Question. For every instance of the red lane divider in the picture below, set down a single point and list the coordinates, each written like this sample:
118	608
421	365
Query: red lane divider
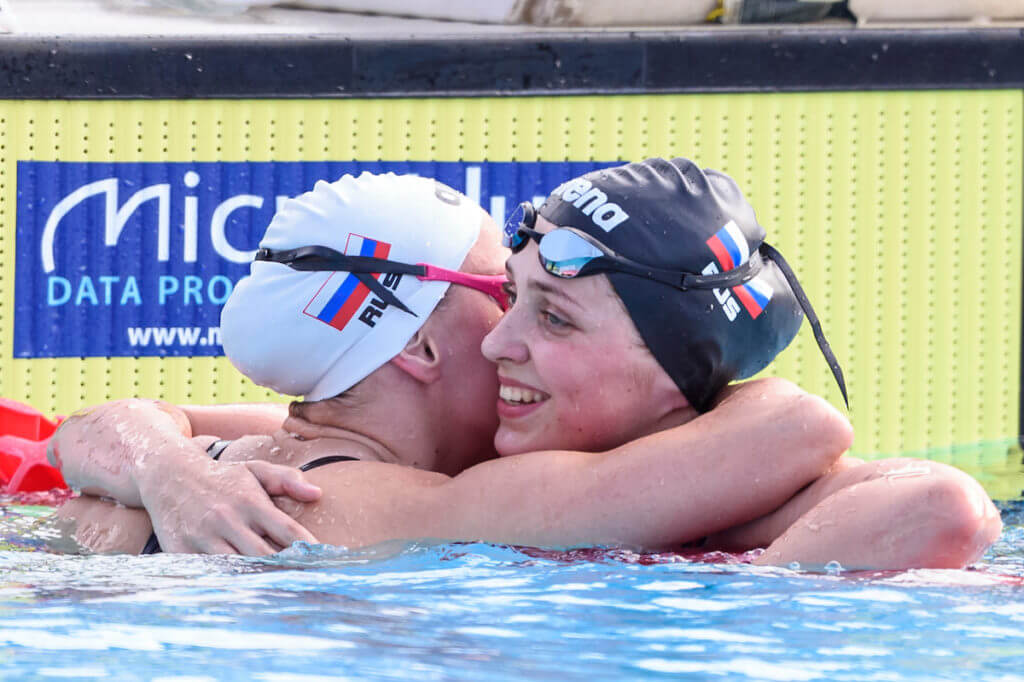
24	435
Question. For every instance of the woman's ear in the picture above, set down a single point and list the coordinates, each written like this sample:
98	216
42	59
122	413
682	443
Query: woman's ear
421	357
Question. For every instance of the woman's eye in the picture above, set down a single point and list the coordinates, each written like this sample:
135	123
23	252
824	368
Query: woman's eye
510	293
554	320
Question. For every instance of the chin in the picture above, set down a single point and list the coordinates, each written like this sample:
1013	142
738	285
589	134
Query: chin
508	443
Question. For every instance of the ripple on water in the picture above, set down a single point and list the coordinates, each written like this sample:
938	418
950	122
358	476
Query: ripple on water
468	612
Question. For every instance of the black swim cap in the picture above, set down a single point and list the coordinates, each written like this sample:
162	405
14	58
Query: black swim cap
673	215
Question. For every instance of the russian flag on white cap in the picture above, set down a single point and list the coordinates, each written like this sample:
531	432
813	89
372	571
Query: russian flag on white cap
337	301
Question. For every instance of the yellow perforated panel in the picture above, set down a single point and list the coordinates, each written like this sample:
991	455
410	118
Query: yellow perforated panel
901	212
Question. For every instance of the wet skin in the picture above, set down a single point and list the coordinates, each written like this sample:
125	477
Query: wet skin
559	387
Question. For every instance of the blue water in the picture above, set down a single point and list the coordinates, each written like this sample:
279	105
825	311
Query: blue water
477	611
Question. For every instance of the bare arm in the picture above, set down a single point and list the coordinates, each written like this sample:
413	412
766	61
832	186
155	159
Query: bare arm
743	459
105	527
140	452
234	421
892	514
203	521
102	450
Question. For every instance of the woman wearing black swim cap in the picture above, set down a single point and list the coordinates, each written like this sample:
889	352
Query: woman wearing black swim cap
639	293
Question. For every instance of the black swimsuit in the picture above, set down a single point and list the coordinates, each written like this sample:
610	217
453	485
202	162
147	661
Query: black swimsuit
215	450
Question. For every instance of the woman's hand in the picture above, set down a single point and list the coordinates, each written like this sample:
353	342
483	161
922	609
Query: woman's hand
226	508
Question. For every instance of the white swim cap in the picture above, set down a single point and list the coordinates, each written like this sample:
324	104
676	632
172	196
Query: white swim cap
316	334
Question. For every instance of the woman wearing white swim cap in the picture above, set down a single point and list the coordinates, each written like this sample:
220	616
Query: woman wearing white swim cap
627	460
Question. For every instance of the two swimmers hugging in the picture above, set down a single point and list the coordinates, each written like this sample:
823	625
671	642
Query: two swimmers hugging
565	384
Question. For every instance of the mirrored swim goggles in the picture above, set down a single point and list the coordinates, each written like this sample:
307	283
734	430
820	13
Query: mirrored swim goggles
567	252
323	258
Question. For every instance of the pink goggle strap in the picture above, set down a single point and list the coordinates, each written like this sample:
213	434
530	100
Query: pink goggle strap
492	285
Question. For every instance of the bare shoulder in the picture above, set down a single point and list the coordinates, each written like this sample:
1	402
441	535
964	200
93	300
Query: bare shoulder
285	449
368	502
351	480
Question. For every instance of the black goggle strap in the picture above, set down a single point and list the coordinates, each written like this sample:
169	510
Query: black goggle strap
723	280
323	259
674	278
612	261
382	292
530	213
523	235
805	303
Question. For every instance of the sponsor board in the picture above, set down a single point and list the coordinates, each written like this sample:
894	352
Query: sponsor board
137	259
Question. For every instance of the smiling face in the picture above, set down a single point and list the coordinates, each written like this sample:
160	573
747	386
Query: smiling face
573	371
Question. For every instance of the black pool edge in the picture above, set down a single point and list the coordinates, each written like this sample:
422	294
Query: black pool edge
705	60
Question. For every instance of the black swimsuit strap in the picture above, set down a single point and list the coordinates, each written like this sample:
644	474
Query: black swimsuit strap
322	461
152	545
215	450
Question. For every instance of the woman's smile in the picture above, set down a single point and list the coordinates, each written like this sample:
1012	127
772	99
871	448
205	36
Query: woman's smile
516	399
557	341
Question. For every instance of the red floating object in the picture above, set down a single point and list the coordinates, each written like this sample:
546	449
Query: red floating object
18	419
24	435
24	467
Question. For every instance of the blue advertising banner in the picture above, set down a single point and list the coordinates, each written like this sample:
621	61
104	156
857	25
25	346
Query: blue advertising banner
137	259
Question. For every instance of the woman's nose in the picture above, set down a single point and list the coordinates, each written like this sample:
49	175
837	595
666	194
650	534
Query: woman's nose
504	342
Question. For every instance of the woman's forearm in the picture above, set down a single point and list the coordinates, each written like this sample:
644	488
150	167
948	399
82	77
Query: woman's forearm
742	460
105	450
891	515
236	420
105	527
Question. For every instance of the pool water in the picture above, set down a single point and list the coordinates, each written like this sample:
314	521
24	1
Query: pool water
478	611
